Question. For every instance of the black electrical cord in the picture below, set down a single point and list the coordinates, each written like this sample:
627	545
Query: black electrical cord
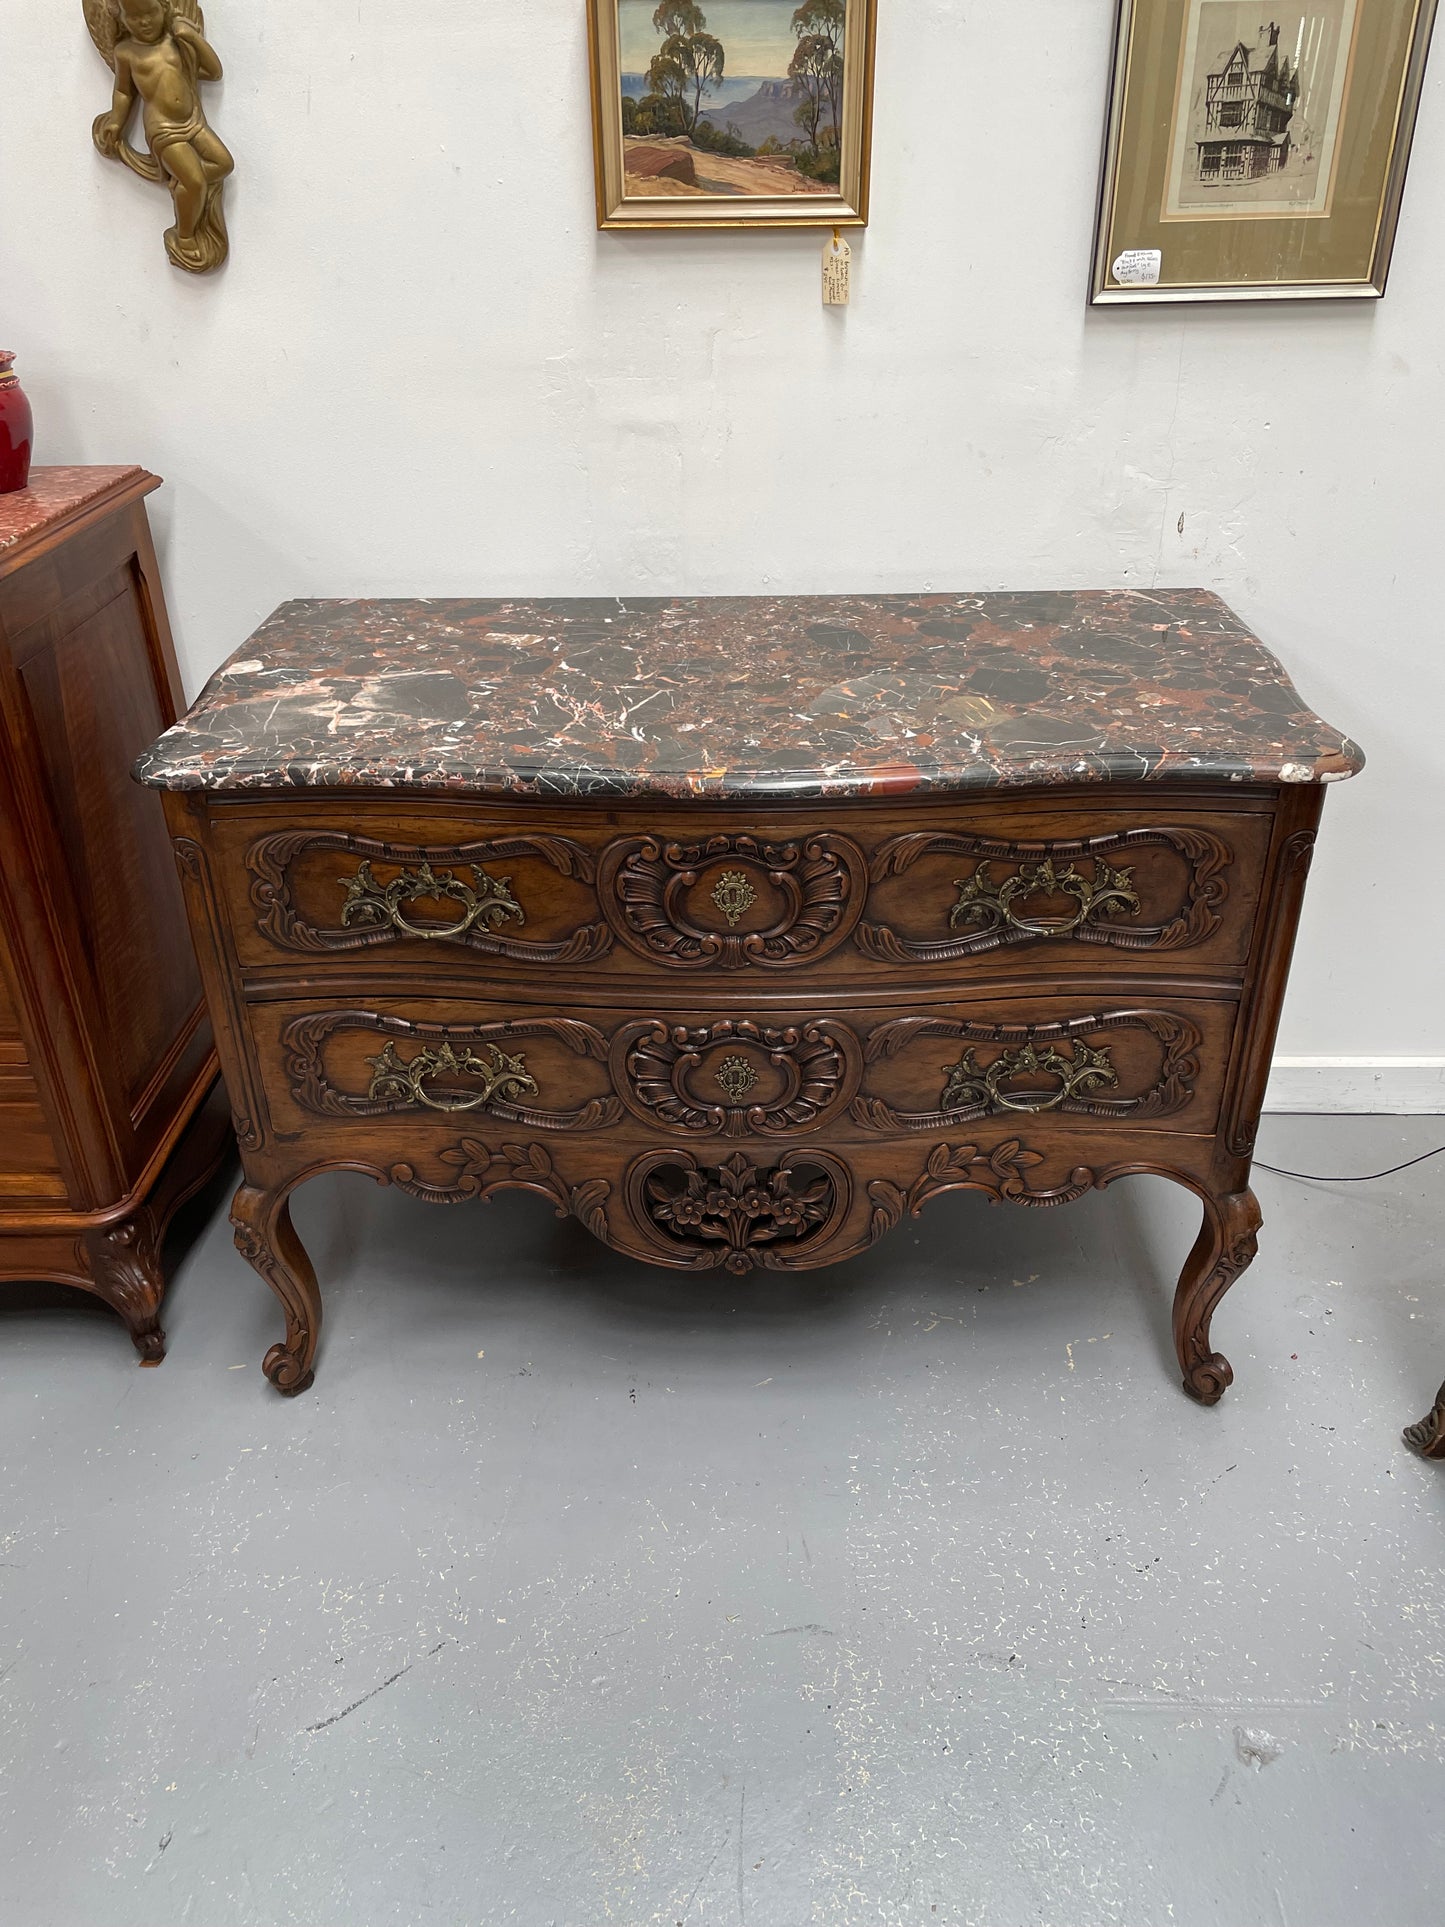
1366	1177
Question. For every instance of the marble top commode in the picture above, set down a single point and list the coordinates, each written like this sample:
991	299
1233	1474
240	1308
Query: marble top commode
751	697
741	929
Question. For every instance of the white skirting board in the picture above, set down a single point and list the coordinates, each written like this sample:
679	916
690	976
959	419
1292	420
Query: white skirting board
1398	1086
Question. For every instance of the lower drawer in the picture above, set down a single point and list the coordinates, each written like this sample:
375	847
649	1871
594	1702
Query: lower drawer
742	1073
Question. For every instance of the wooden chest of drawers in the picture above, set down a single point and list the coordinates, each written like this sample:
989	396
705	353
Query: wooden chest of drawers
993	893
105	1052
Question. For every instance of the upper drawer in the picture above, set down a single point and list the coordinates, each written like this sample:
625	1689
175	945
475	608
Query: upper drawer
886	893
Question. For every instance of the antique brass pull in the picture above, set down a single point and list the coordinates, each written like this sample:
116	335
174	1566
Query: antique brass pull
397	1080
488	900
969	1086
990	905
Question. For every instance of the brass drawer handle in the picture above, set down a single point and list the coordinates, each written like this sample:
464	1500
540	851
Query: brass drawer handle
487	901
990	905
1084	1070
398	1080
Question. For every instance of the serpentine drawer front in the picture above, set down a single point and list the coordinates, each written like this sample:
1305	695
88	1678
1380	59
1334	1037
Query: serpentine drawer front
939	890
743	929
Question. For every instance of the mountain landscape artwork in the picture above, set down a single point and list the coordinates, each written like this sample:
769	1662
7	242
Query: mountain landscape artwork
732	98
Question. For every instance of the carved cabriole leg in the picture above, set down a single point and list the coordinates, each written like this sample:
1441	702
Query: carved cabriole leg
1223	1249
1428	1437
125	1263
266	1239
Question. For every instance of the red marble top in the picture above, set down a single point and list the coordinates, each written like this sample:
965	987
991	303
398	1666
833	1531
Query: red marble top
53	494
751	696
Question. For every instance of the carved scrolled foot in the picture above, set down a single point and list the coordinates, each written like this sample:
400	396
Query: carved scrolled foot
1428	1437
126	1266
267	1240
287	1372
1208	1378
1225	1246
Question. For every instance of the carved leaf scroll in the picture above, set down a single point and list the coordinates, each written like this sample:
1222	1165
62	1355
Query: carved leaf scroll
480	1172
999	1173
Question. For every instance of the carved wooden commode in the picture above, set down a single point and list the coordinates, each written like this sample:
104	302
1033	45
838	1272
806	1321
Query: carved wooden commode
744	928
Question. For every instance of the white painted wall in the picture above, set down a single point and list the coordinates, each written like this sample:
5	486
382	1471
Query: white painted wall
424	371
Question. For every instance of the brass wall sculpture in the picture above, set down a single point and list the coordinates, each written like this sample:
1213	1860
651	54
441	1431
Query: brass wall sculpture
159	55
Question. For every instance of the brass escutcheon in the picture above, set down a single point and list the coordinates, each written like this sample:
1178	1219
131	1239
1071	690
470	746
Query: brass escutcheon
734	895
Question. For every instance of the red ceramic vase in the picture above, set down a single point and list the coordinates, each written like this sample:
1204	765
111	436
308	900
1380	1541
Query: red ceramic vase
15	427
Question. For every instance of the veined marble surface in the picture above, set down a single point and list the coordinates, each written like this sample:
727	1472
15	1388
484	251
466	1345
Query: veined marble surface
751	696
53	494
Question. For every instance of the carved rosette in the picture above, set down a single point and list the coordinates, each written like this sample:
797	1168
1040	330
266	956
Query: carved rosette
452	1067
733	1215
482	909
732	901
737	1077
1033	1068
1039	892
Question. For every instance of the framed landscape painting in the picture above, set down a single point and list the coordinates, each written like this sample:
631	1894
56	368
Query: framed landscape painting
732	113
1256	149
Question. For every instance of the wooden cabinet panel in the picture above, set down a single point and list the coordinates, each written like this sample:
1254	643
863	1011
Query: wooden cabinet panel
106	1056
93	708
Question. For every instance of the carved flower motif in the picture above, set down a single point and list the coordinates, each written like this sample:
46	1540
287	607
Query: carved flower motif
736	1206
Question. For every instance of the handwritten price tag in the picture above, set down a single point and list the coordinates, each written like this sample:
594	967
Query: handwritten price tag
1138	268
837	272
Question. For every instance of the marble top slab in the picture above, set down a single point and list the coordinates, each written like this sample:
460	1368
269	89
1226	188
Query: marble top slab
53	494
751	696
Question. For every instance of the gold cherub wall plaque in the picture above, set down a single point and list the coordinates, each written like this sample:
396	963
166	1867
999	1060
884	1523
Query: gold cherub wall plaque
159	54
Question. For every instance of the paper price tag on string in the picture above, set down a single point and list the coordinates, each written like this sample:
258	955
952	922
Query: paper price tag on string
837	263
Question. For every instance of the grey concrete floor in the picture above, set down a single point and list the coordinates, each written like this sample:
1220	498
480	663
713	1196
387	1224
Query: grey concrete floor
575	1593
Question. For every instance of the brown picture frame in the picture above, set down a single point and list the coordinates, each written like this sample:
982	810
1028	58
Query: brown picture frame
1205	196
680	204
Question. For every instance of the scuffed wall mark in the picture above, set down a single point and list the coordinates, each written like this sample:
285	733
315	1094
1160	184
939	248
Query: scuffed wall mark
1255	1747
166	1839
812	1626
321	1725
1218	1793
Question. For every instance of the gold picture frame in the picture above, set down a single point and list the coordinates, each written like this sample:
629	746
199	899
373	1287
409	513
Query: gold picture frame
1256	159
689	141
